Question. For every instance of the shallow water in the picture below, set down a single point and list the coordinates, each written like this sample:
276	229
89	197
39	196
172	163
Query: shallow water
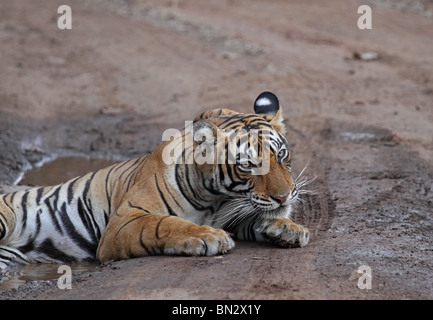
51	173
16	276
62	169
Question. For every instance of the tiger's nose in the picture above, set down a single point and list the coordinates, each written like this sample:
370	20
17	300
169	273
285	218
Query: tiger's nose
281	199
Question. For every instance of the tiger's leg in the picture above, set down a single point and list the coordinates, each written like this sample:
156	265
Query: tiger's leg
7	221
283	232
8	255
134	232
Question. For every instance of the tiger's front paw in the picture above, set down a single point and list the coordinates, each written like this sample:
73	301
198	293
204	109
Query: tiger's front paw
202	241
285	233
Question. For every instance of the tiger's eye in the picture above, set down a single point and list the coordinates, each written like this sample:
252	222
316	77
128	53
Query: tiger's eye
246	165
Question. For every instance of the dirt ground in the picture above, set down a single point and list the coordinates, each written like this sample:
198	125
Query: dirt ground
128	70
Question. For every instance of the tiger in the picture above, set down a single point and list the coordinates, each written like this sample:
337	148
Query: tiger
148	206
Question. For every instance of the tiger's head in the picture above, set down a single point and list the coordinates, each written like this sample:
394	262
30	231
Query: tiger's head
251	169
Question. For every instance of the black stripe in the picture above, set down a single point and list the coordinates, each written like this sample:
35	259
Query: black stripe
188	180
221	172
96	228
85	219
106	189
30	245
52	211
206	248
128	168
71	190
128	222
87	202
240	121
251	230
143	245
211	188
106	217
55	196
203	181
47	247
121	164
87	187
24	208
171	194
128	177
259	125
39	193
137	207
3	226
3	221
234	184
238	175
161	194
246	232
144	160
38	222
15	253
180	180
11	201
75	236
135	176
157	228
229	171
13	197
234	117
240	181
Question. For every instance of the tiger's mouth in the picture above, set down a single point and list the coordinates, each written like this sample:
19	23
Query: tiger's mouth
275	202
266	206
249	207
272	208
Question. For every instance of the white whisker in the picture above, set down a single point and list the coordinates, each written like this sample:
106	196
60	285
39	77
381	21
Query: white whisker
302	172
234	211
310	192
301	182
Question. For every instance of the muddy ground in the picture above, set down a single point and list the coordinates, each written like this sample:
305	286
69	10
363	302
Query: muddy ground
130	69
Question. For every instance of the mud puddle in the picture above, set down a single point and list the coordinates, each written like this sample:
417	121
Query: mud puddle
51	173
15	277
62	169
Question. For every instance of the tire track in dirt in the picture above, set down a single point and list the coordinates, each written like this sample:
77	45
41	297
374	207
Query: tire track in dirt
316	210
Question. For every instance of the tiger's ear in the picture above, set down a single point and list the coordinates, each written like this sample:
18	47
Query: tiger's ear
268	106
